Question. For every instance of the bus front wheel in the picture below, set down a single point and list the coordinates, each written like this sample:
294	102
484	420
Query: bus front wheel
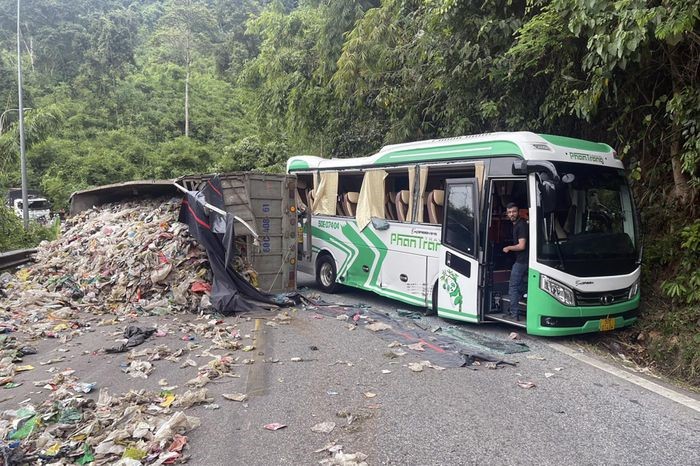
326	274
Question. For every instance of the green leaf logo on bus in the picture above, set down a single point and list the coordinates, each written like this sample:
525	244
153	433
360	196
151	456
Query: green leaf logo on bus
449	283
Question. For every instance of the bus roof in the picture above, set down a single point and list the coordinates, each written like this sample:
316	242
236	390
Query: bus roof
525	145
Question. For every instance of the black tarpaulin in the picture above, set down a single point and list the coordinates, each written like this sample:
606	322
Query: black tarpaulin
230	291
223	226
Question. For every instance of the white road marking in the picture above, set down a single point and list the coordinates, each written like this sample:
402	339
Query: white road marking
635	379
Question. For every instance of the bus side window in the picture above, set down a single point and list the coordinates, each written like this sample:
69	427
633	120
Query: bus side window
459	227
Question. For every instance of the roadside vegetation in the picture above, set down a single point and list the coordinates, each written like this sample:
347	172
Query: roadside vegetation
118	90
13	236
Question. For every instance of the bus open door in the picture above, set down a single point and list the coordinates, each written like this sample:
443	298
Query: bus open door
457	290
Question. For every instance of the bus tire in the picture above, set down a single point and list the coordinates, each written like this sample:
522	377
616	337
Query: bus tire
326	274
432	310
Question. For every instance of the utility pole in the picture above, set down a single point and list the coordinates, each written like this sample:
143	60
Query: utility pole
20	108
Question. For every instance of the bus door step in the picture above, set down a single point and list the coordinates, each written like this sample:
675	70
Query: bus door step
521	303
502	317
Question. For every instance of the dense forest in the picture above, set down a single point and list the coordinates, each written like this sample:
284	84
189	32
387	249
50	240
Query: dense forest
131	89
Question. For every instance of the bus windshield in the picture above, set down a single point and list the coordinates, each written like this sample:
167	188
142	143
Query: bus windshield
593	229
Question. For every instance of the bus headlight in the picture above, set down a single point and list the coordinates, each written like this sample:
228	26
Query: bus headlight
634	289
562	293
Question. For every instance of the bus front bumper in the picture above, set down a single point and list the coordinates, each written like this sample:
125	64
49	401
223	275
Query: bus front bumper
551	318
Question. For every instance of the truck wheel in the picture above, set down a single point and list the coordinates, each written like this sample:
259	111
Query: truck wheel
432	310
326	274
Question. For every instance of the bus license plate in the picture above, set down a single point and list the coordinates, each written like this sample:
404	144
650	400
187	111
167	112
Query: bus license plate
607	324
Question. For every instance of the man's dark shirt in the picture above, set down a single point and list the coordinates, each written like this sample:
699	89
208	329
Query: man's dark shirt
520	228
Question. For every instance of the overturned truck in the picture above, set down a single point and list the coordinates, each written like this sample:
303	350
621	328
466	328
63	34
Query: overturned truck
265	232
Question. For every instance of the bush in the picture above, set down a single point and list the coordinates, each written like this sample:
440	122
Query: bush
13	236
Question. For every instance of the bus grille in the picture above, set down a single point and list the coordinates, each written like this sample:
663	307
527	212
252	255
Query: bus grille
602	298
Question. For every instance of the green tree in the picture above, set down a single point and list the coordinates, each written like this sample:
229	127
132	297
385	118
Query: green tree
38	125
186	29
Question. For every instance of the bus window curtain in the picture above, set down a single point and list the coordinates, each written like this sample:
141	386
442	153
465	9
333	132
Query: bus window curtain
479	174
325	193
371	201
422	174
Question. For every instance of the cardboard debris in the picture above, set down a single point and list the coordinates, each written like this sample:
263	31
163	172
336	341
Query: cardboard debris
525	384
378	326
274	426
235	396
323	427
418	366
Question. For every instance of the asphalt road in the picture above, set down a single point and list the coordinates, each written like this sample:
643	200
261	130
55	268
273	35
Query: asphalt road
576	414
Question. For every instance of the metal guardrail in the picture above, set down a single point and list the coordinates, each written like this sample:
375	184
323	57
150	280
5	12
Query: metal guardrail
14	258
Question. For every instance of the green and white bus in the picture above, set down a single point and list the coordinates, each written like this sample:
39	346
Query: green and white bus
424	223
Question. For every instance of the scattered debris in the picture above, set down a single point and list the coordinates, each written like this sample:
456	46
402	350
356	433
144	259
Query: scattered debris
523	384
139	369
535	357
324	427
330	447
191	398
274	426
409	314
135	336
419	366
235	396
417	346
345	459
377	326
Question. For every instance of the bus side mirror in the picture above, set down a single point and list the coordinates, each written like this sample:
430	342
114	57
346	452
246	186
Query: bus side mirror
519	167
380	223
524	167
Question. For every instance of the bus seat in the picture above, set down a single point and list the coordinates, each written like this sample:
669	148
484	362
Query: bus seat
389	206
350	203
402	205
524	213
436	203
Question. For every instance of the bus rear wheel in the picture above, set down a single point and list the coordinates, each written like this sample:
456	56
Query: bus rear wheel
326	274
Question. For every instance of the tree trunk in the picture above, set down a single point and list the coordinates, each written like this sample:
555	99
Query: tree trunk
187	102
681	190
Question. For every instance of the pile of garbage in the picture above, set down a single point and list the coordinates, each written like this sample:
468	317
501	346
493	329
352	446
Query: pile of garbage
69	428
126	258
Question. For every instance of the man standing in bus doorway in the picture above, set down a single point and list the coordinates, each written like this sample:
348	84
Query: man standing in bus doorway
517	286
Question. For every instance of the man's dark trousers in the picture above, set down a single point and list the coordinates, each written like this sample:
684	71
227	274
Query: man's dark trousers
517	286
